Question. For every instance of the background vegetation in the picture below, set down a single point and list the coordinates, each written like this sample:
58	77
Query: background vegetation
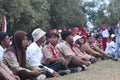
48	14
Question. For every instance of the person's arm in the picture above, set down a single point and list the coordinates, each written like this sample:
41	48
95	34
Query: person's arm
9	72
90	51
6	75
54	73
6	68
10	59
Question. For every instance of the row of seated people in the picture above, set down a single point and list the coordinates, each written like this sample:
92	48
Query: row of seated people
36	62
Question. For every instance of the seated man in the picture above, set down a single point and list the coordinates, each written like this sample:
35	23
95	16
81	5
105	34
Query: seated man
89	47
65	49
6	73
78	42
52	57
99	46
35	54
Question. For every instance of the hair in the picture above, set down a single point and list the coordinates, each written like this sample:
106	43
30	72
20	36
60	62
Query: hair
98	35
89	36
16	47
53	34
2	36
65	34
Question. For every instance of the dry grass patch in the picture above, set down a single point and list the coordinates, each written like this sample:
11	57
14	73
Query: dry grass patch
104	70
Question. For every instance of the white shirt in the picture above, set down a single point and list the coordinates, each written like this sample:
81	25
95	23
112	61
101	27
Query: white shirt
105	33
2	50
34	53
111	48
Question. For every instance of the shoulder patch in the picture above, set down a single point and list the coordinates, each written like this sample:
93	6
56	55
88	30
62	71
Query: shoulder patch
12	55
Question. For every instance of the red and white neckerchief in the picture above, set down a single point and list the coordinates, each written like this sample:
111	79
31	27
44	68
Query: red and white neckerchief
99	45
80	48
92	46
53	51
72	49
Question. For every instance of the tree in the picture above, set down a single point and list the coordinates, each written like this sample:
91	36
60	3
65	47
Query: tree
100	11
24	14
66	13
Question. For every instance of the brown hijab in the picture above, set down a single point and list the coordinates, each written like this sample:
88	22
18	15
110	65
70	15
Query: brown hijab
16	47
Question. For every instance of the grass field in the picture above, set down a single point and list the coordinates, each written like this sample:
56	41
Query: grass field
103	70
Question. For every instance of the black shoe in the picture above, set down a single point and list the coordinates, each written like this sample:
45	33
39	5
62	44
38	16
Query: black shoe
63	72
76	69
84	67
92	61
115	59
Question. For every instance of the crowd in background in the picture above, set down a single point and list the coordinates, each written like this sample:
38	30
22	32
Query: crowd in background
55	53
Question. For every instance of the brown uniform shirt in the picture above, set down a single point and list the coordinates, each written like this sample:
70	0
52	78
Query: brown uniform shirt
10	59
48	53
65	49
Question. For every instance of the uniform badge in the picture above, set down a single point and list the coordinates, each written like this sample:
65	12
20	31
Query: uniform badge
12	55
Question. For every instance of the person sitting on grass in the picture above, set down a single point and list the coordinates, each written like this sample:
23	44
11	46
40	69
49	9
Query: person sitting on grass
65	49
99	46
110	49
53	59
78	44
89	47
35	53
15	56
5	72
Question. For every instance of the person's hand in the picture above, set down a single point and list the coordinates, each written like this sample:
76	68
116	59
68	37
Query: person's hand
64	61
87	64
55	74
93	58
35	73
98	54
16	77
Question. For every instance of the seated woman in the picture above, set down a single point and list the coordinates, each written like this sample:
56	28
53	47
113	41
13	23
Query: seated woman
15	56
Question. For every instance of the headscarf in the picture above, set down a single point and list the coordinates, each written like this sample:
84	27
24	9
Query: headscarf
104	27
63	28
16	47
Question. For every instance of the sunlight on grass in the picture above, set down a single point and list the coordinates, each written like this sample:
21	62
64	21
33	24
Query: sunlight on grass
104	70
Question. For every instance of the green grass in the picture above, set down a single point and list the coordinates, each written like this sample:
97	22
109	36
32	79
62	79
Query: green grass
103	70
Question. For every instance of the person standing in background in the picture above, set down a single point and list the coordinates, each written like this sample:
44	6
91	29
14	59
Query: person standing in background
105	35
117	32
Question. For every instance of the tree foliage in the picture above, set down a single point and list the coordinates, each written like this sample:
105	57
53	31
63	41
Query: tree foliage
66	13
46	14
99	12
24	14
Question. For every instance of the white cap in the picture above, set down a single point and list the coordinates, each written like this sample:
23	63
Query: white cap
59	30
37	34
75	38
112	36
